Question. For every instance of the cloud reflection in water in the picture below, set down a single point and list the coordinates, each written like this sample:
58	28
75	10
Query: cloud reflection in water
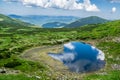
80	57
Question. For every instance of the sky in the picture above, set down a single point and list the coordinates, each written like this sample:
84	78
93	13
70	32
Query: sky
109	9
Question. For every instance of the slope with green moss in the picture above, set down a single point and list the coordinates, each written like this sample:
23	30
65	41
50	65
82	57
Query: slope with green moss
86	21
13	42
6	21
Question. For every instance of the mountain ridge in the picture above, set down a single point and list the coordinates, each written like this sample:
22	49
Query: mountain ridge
54	25
15	40
43	19
7	21
86	21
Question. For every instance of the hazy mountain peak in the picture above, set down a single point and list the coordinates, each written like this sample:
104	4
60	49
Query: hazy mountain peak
87	20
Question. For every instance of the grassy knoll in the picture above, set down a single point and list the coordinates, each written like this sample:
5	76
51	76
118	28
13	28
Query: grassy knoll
14	40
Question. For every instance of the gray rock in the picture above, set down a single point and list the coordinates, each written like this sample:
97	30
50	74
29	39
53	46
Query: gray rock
2	71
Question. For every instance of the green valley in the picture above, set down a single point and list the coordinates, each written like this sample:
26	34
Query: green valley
16	37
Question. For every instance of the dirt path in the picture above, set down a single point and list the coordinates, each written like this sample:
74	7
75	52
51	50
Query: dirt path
57	69
40	54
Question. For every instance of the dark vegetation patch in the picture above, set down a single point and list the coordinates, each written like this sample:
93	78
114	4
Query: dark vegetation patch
16	38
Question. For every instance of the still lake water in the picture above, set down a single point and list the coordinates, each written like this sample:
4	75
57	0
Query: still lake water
80	57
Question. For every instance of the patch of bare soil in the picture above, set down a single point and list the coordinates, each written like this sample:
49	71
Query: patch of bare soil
56	68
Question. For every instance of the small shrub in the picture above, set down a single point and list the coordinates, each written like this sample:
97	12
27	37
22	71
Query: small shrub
12	64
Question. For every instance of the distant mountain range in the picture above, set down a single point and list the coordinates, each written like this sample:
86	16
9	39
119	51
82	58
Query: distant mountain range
86	21
42	19
54	25
6	21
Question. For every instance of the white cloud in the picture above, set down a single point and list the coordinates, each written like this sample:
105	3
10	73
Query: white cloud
69	46
62	4
63	57
83	58
100	55
116	1
12	0
113	9
90	7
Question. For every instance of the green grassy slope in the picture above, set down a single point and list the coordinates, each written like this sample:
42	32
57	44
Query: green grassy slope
6	21
14	41
85	21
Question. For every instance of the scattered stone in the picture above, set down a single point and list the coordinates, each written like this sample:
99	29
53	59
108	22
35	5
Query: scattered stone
8	71
118	58
117	39
38	77
116	66
103	73
110	56
3	71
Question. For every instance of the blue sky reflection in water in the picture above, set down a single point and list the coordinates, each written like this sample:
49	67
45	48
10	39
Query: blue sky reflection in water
80	57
